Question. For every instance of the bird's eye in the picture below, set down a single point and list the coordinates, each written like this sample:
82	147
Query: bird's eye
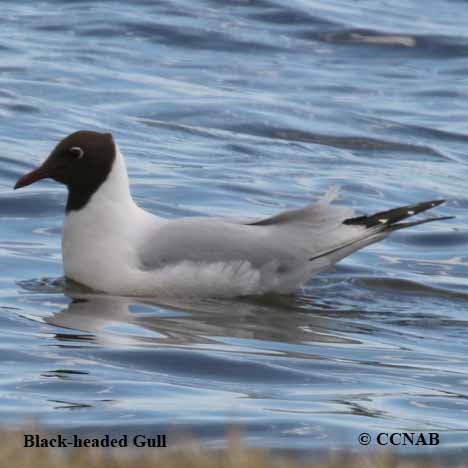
76	152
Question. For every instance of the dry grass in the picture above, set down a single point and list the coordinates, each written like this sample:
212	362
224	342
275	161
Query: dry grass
188	455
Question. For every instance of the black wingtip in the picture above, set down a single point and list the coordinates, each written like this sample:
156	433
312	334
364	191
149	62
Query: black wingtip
390	218
438	202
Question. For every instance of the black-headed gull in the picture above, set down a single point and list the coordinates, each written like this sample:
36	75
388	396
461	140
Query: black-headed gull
112	245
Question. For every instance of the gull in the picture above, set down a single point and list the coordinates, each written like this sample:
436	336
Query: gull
112	245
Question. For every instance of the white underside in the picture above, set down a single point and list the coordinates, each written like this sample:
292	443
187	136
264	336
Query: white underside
105	246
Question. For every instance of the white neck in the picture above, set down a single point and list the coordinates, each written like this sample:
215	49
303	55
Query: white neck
116	187
102	238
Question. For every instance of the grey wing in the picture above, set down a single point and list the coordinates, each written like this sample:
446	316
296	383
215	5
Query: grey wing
288	239
318	234
316	228
210	241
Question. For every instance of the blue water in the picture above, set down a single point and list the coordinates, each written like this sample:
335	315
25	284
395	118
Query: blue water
242	108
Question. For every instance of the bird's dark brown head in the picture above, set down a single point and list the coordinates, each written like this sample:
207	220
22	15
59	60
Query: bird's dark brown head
81	161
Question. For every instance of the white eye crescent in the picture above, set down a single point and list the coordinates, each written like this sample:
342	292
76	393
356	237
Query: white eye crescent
76	152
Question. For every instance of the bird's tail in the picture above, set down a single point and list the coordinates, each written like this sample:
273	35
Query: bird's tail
379	225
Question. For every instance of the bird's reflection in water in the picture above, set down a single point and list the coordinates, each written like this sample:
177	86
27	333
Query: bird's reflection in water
224	324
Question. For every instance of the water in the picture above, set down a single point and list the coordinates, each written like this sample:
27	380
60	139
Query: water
242	108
